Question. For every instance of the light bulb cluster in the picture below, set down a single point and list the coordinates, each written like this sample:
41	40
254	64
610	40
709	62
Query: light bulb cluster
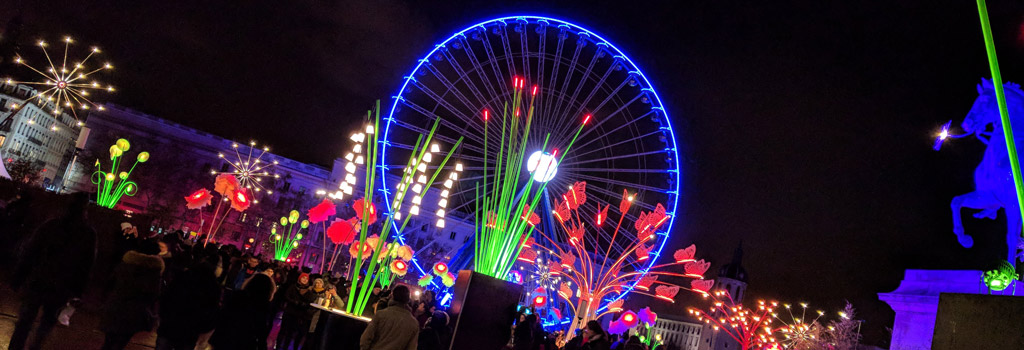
352	160
442	204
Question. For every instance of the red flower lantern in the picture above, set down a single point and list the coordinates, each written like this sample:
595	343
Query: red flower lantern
225	184
629	319
321	211
199	199
341	232
399	267
440	268
241	199
370	210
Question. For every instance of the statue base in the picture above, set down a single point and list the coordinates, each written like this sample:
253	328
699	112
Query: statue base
916	302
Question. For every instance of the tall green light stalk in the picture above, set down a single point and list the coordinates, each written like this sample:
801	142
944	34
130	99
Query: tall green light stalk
284	244
500	218
112	185
997	82
362	285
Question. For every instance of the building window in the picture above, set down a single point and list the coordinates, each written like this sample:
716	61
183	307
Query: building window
452	236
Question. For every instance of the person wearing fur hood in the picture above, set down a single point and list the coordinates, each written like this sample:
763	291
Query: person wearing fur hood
130	307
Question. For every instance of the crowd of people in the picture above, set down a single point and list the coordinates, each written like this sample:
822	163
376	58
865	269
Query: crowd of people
192	295
202	296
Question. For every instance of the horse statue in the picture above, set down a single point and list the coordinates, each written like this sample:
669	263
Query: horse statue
993	179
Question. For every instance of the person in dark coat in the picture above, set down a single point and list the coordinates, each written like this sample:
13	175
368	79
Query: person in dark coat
54	268
189	306
243	320
523	337
297	313
435	334
130	308
596	338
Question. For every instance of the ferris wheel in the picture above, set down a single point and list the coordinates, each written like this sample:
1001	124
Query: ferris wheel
628	145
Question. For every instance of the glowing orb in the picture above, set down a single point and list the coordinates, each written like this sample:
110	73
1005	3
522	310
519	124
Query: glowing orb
542	165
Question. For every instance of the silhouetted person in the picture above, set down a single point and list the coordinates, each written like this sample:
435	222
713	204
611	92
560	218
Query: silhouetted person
393	327
189	306
243	321
130	307
53	269
595	337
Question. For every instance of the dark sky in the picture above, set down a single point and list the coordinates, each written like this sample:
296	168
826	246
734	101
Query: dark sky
806	127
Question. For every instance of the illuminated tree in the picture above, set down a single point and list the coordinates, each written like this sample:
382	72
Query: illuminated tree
844	333
750	327
596	287
24	171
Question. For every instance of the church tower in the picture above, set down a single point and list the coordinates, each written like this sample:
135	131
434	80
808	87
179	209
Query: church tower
733	277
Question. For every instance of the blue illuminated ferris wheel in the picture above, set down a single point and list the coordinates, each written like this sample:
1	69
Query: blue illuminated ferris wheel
628	145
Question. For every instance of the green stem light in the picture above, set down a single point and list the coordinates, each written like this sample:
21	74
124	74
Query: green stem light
997	82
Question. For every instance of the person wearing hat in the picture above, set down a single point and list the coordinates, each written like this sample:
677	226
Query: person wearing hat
297	313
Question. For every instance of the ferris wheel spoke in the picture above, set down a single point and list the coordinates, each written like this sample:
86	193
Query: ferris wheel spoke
588	151
611	170
464	76
632	122
507	49
616	157
524	45
461	127
558	109
480	71
450	87
595	111
556	63
492	60
597	87
431	116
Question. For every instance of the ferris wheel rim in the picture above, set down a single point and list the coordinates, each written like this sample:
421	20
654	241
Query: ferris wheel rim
657	104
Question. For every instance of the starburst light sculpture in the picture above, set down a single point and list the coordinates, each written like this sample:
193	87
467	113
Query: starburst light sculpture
249	167
65	84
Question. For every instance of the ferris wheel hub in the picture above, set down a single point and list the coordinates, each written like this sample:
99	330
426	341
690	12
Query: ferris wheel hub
542	165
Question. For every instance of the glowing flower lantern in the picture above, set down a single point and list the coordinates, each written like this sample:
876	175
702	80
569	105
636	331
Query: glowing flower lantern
647	316
321	212
241	200
370	211
356	247
113	185
289	240
440	269
341	231
425	280
399	267
199	199
540	301
225	184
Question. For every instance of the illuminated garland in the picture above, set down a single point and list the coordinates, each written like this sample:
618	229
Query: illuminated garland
499	229
112	185
595	288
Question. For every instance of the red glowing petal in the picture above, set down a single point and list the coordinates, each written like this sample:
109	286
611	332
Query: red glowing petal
561	212
687	254
440	268
341	231
527	255
577	195
642	253
360	205
225	184
603	215
696	268
625	203
199	199
322	211
241	200
568	260
586	119
629	319
565	292
667	292
645	282
702	286
615	306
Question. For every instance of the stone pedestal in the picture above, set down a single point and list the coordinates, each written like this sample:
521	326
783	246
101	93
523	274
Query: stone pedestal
916	302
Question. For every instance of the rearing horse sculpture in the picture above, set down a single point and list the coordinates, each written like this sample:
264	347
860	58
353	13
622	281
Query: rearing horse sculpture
993	179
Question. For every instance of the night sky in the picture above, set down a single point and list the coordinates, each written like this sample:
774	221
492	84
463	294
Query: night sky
806	128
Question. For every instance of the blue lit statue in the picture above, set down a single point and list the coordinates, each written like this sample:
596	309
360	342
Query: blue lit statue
993	179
